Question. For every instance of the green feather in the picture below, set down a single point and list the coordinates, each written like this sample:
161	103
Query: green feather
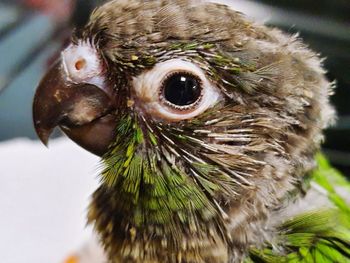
160	192
314	237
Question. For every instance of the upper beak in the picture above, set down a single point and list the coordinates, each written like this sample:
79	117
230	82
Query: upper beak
83	111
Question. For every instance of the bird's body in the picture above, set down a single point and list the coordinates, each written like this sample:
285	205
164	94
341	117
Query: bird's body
221	172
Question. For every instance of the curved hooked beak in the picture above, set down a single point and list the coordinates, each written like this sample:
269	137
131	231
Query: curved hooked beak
82	111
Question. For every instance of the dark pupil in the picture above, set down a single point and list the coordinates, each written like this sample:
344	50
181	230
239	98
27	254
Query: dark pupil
182	89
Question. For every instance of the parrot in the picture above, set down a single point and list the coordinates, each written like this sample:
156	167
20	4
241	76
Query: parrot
209	127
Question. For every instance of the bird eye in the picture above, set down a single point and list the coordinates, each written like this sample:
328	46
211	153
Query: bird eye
181	90
175	90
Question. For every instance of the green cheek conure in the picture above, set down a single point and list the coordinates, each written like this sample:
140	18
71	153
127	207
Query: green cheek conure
208	126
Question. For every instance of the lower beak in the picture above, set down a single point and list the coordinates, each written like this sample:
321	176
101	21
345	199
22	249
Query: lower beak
82	111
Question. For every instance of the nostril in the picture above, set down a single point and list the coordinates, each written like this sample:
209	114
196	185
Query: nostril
80	64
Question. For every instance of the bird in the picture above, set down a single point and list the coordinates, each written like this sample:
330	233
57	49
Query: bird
209	127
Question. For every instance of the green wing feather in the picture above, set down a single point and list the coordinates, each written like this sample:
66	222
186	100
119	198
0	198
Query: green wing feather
318	236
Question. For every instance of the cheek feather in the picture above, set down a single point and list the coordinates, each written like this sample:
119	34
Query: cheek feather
83	64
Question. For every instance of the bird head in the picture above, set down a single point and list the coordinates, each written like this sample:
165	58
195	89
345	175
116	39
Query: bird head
205	122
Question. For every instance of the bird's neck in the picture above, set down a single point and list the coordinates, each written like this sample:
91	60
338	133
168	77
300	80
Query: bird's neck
146	203
155	229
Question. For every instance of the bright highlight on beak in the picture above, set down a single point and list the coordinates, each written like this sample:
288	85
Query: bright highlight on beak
78	103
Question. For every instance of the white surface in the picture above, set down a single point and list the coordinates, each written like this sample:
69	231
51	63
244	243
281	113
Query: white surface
43	199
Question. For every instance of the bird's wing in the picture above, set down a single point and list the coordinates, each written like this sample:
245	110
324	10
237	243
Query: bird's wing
313	233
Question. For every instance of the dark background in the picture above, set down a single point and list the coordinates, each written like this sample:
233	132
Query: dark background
31	32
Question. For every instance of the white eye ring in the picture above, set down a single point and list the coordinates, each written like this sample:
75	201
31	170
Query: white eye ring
148	90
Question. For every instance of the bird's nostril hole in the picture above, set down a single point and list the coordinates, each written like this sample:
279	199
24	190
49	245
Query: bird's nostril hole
80	64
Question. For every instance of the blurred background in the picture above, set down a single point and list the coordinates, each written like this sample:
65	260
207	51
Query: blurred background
31	34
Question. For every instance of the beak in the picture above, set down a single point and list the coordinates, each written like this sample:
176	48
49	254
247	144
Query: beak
82	111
